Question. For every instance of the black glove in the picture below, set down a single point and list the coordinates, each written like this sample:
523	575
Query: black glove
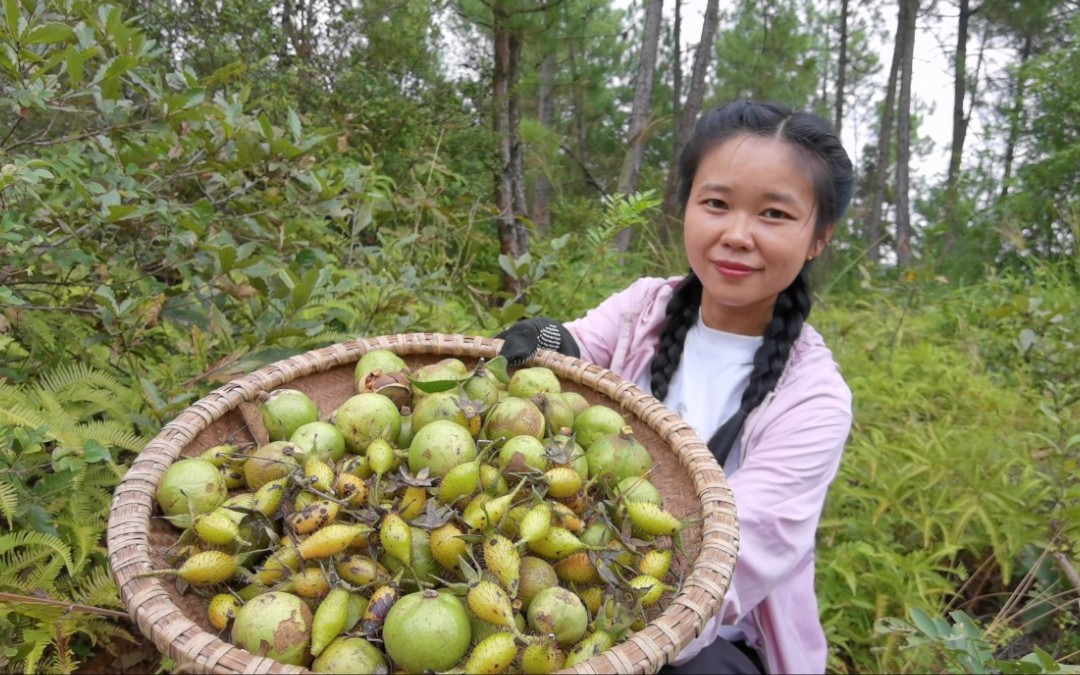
524	338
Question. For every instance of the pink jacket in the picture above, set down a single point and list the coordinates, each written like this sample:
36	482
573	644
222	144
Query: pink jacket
791	444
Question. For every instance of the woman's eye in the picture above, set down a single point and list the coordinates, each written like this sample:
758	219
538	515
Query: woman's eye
715	204
775	214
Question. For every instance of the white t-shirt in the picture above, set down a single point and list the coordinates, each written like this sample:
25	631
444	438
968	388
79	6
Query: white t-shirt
720	364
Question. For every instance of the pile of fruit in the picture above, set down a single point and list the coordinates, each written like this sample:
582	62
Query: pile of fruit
440	520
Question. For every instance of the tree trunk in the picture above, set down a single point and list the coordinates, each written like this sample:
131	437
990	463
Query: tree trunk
579	107
841	71
684	123
639	114
676	75
959	125
1015	118
546	115
875	233
909	10
513	238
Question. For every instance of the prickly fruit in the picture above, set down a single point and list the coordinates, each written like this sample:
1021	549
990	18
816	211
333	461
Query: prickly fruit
222	609
493	655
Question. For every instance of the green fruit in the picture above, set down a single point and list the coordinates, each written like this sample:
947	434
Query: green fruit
350	655
439	406
596	422
514	417
282	621
426	631
364	417
190	487
618	456
559	612
638	490
269	463
521	452
320	439
528	382
439	447
378	359
284	411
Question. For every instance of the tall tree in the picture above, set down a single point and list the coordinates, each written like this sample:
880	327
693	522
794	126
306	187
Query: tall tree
875	232
841	71
640	112
689	112
546	117
960	120
909	10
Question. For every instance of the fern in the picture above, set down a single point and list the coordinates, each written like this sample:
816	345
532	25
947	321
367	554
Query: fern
28	539
9	500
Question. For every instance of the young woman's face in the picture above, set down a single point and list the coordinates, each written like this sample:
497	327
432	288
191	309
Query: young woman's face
748	229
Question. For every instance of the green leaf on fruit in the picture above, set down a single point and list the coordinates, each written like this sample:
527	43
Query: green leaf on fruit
434	386
498	366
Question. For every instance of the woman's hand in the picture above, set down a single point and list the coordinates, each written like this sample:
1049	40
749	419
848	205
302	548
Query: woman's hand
522	340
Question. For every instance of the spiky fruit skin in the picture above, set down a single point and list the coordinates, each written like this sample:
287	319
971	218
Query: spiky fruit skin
591	646
364	417
559	612
542	657
190	487
280	620
446	546
426	631
439	447
284	411
347	654
208	568
222	609
493	655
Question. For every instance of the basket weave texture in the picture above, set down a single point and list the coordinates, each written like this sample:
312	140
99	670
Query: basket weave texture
691	482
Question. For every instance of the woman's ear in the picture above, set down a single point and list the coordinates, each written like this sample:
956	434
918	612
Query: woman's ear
819	243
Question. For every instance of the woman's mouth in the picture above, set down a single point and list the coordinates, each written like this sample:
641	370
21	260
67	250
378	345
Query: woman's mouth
733	270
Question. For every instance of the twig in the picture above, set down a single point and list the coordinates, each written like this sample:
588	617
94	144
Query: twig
71	606
1066	567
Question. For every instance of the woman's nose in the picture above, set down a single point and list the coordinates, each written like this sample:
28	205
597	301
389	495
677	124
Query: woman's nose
737	231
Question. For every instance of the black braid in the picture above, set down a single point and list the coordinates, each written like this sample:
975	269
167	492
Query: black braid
789	314
682	313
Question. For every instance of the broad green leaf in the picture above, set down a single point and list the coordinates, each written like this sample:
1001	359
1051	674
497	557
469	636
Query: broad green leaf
48	33
498	366
13	12
435	386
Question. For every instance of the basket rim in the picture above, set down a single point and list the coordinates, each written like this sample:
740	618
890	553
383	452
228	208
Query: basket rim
174	634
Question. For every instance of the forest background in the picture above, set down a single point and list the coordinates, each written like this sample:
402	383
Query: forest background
191	190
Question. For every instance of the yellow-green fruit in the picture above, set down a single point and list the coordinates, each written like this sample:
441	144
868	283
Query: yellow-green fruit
493	655
503	560
314	516
380	455
357	605
479	515
284	411
650	519
216	528
361	570
320	439
396	537
234	478
253	589
320	473
237	506
535	523
557	544
278	622
656	563
593	597
329	620
522	453
352	655
648	588
365	417
303	500
412	502
268	497
591	646
446	546
528	382
281	561
222	609
637	489
489	602
382	599
190	487
311	582
460	481
439	447
219	455
557	611
270	462
357	465
352	489
596	422
424	566
426	631
577	568
567	518
492	481
207	568
331	540
378	359
536	575
563	481
542	657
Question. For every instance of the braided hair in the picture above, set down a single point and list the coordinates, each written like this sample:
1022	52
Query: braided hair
833	182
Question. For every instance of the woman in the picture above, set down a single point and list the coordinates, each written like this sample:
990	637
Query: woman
727	347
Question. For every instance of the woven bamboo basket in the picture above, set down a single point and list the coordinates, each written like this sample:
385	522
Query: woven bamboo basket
691	482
